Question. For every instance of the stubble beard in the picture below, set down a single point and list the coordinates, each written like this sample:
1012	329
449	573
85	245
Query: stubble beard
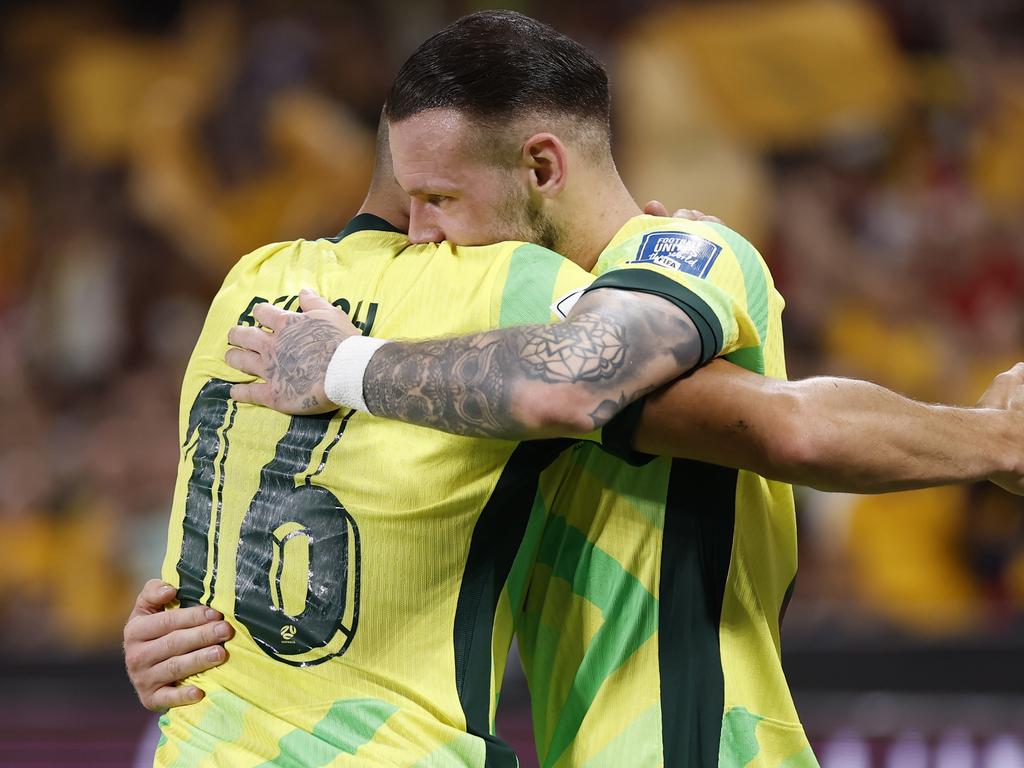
531	223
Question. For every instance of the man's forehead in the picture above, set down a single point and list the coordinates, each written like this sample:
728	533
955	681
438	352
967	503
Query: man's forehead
439	144
430	131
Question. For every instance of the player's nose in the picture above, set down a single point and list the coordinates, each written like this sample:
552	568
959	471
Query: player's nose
432	235
423	228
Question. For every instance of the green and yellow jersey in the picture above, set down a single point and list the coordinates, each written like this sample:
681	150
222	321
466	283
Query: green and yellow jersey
360	560
649	630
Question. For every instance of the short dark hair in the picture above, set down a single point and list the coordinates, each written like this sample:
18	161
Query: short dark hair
498	65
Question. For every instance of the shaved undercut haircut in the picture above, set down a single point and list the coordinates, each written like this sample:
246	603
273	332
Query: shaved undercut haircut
499	67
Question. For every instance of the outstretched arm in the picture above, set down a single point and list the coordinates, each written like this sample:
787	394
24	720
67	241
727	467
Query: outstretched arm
523	382
837	434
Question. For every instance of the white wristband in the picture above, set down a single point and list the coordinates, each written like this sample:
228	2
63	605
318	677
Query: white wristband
343	383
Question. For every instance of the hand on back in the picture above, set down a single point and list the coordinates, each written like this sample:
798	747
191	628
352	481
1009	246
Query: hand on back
657	208
291	360
162	648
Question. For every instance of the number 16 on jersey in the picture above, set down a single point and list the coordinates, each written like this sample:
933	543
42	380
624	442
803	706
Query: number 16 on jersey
297	559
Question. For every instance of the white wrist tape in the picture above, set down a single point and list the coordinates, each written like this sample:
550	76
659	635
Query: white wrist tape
343	383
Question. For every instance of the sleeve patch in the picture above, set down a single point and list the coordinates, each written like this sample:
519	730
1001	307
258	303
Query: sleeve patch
680	251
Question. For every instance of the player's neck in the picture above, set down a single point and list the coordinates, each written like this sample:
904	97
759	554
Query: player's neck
601	209
387	204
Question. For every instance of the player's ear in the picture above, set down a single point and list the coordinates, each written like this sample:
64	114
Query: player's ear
547	160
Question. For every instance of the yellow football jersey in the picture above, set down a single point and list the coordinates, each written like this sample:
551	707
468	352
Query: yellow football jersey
649	623
360	560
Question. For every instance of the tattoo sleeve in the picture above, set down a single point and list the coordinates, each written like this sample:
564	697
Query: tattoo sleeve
614	347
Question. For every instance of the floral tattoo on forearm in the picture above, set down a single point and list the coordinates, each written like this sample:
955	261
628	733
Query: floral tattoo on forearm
471	385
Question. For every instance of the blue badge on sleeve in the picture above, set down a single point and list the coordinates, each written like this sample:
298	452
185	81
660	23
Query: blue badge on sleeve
680	251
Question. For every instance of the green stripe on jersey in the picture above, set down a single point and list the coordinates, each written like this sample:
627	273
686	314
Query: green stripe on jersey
222	723
739	738
643	487
348	725
639	743
602	581
462	750
521	566
527	295
756	285
163	721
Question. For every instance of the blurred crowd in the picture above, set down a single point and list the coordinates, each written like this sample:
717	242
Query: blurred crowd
872	152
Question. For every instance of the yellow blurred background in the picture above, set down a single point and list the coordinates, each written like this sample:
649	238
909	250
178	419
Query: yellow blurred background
873	152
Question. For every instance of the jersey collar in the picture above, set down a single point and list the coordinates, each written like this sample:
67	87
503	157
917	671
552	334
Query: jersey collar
366	222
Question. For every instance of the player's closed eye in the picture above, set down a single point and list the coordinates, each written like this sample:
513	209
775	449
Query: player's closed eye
437	199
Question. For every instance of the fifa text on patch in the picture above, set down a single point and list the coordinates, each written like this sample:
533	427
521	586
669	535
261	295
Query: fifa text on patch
678	250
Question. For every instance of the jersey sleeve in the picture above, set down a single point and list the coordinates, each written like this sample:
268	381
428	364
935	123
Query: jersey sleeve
728	284
698	272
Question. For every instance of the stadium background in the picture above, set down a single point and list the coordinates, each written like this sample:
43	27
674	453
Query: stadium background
874	152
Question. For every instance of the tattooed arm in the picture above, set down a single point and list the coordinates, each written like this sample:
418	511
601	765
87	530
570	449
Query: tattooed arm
537	380
829	433
528	381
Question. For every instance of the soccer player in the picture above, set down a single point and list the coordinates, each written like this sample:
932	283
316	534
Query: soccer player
359	560
661	646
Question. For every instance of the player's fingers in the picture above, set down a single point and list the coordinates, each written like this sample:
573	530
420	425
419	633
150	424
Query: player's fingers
154	596
270	316
310	300
180	643
165	622
245	361
1015	400
1002	386
656	208
256	394
1017	373
178	668
253	339
173	696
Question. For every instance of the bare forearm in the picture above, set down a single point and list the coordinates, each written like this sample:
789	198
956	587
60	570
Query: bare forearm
533	381
827	433
866	439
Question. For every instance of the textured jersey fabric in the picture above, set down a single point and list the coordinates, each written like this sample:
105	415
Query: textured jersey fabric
649	629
